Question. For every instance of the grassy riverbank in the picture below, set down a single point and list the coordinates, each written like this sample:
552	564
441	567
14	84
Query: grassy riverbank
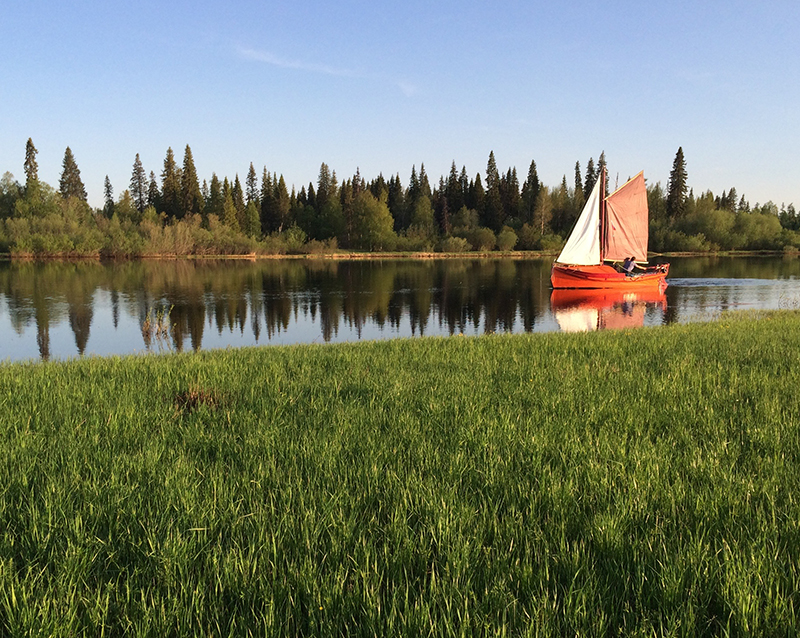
633	483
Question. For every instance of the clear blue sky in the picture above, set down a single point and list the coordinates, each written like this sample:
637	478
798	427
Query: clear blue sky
383	86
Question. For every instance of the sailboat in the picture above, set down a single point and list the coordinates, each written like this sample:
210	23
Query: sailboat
609	230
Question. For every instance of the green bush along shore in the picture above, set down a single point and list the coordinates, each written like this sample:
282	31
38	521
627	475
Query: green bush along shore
633	483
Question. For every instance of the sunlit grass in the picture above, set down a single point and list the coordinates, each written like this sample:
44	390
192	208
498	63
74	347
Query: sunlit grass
634	483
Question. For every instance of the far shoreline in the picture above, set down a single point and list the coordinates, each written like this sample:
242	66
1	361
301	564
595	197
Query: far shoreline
372	256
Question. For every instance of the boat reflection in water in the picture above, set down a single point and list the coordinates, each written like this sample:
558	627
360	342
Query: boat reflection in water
584	310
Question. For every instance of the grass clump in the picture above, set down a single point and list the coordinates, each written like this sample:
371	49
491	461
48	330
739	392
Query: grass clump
633	483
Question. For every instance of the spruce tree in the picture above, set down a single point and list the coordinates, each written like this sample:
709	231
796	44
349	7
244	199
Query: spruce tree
676	192
251	185
590	179
323	186
252	219
397	203
577	195
31	166
601	166
215	202
238	201
476	194
70	184
530	194
269	221
424	184
453	192
492	174
139	190
108	198
282	203
510	194
492	211
153	194
441	209
170	187
192	202
311	197
229	215
413	192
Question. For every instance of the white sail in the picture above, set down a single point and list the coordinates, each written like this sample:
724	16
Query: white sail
583	246
578	319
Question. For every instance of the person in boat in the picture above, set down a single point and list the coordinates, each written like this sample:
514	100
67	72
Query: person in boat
628	265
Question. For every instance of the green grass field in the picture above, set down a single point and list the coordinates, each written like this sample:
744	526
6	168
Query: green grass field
640	483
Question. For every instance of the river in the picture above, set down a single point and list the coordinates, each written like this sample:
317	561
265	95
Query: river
57	310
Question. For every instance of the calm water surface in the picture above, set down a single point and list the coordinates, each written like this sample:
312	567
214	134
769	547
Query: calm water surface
60	310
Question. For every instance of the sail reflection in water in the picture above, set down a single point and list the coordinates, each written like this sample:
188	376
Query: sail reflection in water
586	310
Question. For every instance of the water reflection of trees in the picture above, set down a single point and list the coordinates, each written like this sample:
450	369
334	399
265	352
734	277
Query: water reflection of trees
266	298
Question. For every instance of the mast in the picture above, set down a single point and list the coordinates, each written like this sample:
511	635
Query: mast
603	225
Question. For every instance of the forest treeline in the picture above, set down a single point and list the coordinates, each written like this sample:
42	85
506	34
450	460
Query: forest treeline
175	213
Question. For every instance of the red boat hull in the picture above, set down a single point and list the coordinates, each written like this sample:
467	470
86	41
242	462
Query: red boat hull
607	277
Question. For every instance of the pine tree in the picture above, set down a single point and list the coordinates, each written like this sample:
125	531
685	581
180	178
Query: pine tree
108	198
70	184
676	192
138	187
192	202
